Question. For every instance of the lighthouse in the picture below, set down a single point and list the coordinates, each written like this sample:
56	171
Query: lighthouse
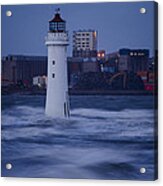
57	99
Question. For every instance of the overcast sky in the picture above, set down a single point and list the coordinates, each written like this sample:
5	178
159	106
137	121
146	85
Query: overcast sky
119	25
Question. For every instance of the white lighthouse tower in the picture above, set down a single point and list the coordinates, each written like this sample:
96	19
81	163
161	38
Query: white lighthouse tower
57	101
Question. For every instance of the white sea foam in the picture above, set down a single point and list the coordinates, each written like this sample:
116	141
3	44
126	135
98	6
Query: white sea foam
124	123
92	143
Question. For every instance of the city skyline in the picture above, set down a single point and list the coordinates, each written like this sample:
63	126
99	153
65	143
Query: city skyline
78	16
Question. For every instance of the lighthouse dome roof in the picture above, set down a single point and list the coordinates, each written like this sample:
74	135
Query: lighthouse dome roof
57	18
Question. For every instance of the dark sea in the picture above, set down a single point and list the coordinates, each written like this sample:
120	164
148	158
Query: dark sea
106	137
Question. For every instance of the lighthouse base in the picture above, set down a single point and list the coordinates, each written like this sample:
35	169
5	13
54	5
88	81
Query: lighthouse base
56	109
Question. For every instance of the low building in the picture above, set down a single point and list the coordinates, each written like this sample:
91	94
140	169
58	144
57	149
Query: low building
90	65
79	65
133	60
40	81
16	68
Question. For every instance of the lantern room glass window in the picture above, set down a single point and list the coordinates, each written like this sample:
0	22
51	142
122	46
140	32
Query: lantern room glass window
57	26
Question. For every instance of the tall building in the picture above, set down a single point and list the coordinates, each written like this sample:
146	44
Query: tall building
16	68
57	104
85	43
133	60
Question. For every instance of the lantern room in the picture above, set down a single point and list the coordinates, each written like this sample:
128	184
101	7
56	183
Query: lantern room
57	24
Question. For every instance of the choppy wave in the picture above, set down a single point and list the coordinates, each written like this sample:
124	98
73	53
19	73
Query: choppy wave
92	143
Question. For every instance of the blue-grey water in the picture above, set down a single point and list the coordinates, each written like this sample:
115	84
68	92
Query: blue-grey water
106	137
